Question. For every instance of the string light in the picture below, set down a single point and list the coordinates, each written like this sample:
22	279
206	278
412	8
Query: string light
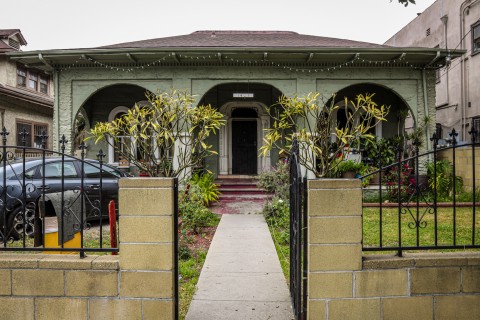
356	60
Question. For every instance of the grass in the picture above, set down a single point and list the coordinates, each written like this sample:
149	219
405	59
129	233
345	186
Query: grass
189	270
283	250
426	233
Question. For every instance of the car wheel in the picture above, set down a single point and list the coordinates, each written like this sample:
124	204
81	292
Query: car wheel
16	222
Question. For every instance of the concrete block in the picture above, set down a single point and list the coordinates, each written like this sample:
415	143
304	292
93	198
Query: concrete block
146	229
354	309
145	202
108	309
17	261
146	284
316	310
418	308
381	283
157	310
471	279
60	309
330	285
37	283
16	308
335	202
65	261
457	307
334	257
91	283
5	282
334	184
336	230
146	256
434	280
145	182
109	262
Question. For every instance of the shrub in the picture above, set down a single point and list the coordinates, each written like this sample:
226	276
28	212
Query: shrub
193	212
209	190
277	213
407	182
444	179
277	180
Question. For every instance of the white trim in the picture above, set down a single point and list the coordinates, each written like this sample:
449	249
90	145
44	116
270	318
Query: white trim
225	134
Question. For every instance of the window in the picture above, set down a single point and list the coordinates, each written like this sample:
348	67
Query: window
439	130
34	130
54	170
32	80
21	77
476	38
93	171
476	125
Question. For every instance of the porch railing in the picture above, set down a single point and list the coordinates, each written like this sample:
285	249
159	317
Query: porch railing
426	201
50	204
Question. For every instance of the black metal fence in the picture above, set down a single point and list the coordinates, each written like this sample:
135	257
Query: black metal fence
298	237
55	202
422	201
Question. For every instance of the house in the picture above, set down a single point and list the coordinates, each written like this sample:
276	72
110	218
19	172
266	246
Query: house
451	26
26	95
240	73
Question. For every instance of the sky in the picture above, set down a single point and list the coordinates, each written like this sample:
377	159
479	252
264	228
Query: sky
66	24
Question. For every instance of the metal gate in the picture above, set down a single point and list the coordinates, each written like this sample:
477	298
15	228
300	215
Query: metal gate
298	236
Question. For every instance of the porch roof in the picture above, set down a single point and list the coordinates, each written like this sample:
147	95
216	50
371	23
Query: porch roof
236	47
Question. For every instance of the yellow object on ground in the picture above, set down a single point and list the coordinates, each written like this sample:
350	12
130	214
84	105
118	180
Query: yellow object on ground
51	241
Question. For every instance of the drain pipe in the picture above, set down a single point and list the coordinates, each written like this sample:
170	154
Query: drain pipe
425	98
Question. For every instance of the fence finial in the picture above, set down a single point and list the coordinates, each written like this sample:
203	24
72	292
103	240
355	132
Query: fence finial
63	142
473	134
24	133
4	135
101	155
43	138
454	136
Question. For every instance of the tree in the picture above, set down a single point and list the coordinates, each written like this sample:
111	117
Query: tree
312	122
167	128
405	2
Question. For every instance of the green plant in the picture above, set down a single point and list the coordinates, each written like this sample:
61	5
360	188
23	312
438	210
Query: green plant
277	180
167	128
399	180
440	175
209	189
311	122
349	165
277	213
192	211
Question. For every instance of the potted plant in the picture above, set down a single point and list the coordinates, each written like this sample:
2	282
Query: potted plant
349	169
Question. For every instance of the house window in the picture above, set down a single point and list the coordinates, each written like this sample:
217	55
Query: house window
476	125
34	130
438	130
476	38
21	77
32	80
43	84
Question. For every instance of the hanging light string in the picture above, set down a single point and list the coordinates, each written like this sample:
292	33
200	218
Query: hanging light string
80	62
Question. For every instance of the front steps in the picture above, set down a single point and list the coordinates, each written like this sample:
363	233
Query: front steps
239	194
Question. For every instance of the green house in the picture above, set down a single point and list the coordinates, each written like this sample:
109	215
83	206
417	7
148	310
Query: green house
240	73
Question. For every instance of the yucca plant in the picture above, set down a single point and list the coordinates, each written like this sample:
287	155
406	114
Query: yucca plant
209	189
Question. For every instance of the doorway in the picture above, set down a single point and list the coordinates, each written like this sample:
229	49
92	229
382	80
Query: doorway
244	147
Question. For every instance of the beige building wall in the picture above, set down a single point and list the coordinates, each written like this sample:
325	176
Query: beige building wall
444	24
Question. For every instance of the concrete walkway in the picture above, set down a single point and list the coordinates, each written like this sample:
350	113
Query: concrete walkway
241	277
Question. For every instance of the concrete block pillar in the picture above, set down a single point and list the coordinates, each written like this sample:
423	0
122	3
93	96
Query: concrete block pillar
334	241
146	207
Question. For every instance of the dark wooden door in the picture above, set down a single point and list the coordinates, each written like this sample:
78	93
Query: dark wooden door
244	147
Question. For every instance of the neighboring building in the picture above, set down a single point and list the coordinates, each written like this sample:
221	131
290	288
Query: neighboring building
240	73
454	26
25	95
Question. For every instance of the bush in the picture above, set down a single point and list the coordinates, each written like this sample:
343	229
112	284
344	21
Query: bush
193	212
407	182
276	181
444	179
277	213
209	190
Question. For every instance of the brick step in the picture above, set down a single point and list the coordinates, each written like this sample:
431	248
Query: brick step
243	197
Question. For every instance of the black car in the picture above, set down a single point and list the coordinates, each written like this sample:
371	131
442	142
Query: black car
59	186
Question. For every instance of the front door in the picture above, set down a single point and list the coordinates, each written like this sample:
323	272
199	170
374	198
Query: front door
244	147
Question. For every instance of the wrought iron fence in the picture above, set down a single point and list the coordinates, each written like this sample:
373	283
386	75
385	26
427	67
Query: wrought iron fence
422	201
298	236
50	203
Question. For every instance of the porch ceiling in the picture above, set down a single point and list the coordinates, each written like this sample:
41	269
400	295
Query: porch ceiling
47	60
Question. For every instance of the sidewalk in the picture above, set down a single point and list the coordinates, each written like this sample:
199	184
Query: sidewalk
241	277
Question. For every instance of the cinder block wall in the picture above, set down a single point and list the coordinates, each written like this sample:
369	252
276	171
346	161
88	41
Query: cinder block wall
344	284
137	284
464	164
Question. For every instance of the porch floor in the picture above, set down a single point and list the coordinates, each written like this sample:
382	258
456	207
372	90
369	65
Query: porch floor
241	277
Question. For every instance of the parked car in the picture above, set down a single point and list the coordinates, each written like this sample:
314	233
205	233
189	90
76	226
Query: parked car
52	190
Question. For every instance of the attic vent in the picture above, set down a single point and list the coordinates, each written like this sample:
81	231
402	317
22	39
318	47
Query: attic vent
13	43
428	32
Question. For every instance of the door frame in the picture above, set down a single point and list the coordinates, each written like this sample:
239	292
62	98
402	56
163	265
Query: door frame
225	141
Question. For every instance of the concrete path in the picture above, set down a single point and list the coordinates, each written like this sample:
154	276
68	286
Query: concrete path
241	277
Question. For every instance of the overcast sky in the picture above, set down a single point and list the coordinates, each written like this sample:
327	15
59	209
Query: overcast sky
62	24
